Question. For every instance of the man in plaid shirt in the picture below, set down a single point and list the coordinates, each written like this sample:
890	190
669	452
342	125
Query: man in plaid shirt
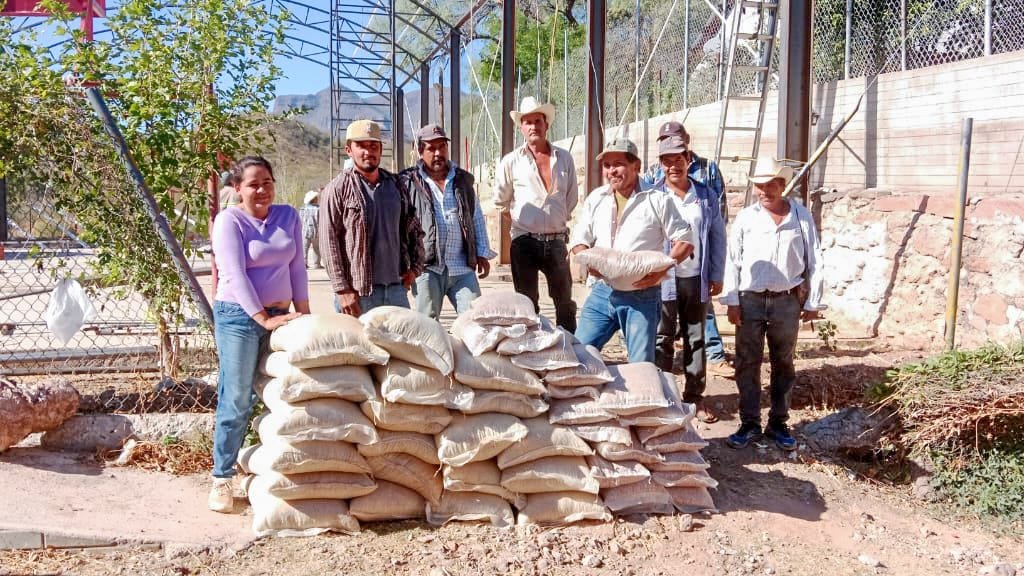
455	240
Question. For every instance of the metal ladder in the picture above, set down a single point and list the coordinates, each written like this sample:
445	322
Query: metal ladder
759	50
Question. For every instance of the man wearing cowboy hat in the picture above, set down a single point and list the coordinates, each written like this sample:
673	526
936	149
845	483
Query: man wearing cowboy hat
370	237
310	215
455	233
774	259
537	185
622	216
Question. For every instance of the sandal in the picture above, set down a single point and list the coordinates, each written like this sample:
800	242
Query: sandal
704	415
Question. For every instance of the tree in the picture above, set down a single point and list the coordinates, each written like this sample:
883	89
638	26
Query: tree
184	82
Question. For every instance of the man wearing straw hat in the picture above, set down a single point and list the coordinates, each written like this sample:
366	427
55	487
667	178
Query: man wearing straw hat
773	280
537	185
310	216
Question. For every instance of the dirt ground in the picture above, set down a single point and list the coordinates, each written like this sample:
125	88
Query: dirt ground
799	514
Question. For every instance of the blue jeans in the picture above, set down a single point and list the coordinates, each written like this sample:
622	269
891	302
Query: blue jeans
380	295
713	348
636	313
431	288
240	341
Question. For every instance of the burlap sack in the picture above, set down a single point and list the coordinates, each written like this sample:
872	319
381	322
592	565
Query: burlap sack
562	508
406	417
490	371
415	444
388	502
644	497
621	270
676	413
543	440
590	372
483	476
409	471
556	357
479	338
685	479
314	340
320	419
609	431
685	440
680	462
410	336
692	500
512	403
503	309
478	437
578	411
291	384
470	507
301	458
637	388
537	338
272	516
554	474
310	485
634	451
407	383
611	474
566	392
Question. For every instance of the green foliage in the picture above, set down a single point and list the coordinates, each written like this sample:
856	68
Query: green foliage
991	485
544	37
826	330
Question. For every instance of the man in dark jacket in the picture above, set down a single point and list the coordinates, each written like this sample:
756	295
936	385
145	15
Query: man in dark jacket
370	238
455	234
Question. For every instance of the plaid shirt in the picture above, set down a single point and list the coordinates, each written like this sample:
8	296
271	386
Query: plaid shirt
310	214
344	242
451	245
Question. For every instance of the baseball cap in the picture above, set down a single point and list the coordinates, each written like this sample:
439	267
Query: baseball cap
624	145
431	132
672	145
672	128
363	131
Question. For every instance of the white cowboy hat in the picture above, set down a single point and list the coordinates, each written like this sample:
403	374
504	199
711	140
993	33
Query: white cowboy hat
768	169
310	196
529	105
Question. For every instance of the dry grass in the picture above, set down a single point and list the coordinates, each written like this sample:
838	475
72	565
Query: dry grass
171	456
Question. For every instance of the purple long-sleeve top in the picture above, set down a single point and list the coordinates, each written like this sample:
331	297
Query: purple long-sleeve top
259	262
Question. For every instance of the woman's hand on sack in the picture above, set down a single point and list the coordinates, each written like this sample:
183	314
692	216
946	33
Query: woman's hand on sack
652	279
270	323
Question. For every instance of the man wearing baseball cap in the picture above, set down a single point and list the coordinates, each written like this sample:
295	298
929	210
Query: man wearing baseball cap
622	216
695	280
773	280
370	237
537	186
455	234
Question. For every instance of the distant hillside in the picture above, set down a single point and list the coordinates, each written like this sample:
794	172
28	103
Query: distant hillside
300	155
353	106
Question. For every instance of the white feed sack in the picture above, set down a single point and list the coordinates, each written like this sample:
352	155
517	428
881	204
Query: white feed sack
409	471
312	485
476	437
562	508
637	388
388	502
272	516
519	405
483	476
320	419
479	338
491	371
470	507
591	370
622	269
612	474
668	418
685	440
291	384
554	474
535	339
410	336
421	446
685	479
315	340
680	462
566	392
623	452
578	411
692	500
302	457
556	357
408	383
503	309
644	497
406	417
542	441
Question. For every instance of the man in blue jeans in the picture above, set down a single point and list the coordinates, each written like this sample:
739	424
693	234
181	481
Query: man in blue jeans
624	217
774	260
455	234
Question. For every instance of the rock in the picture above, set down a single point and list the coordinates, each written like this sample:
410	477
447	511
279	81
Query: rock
88	432
851	430
869	561
1001	569
36	407
685	522
592	561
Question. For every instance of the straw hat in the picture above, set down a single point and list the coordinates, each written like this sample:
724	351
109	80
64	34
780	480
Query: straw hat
529	105
768	169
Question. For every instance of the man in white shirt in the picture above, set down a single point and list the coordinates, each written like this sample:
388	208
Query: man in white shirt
774	260
536	184
697	278
623	217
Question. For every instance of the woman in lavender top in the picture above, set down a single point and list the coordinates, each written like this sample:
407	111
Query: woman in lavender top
258	247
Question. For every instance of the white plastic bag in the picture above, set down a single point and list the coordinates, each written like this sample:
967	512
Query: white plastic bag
69	308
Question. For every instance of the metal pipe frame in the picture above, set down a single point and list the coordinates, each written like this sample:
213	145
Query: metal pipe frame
795	86
596	23
508	77
454	69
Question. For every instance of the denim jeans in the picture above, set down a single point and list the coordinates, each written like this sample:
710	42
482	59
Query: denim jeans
635	312
430	289
777	318
380	295
311	243
685	316
713	348
240	342
530	256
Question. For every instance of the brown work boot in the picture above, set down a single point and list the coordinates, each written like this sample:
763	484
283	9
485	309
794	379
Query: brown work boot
222	497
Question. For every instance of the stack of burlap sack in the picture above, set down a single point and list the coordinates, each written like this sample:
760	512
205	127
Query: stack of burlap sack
388	417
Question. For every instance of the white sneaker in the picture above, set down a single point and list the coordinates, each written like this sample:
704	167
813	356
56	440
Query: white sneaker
222	498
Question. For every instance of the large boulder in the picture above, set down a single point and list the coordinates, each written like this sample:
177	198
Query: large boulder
853	431
34	407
